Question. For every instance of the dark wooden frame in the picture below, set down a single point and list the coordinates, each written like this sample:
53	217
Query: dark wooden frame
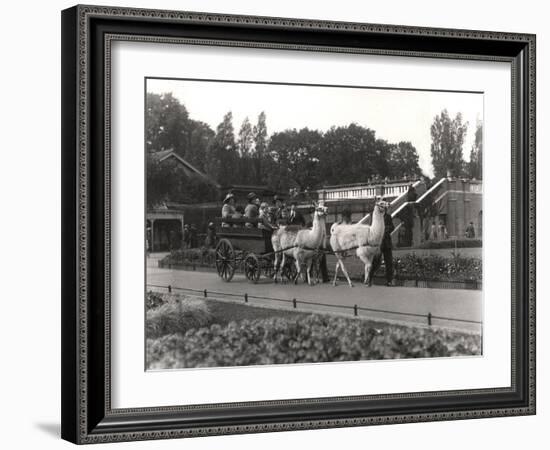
87	415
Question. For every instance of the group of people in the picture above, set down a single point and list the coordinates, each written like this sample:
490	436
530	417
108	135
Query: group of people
266	216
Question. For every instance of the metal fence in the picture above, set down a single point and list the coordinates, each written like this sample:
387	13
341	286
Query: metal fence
354	309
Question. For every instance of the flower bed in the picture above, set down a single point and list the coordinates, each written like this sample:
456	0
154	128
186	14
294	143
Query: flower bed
306	339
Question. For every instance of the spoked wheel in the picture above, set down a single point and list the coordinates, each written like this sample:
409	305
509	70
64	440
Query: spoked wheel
252	268
225	260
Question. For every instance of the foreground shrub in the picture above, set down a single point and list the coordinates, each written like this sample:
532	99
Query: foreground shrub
177	316
155	299
309	339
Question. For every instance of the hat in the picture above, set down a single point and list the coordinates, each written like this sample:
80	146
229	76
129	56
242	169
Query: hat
276	198
228	197
251	196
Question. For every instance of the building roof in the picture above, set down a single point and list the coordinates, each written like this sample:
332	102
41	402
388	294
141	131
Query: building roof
163	155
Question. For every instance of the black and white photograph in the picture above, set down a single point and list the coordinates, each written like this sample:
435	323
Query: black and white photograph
301	223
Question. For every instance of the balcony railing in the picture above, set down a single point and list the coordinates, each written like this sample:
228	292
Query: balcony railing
363	192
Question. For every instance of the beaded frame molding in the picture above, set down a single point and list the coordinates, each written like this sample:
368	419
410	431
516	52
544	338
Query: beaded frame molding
87	35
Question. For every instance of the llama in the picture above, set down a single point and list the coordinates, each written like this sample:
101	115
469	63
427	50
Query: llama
301	244
365	238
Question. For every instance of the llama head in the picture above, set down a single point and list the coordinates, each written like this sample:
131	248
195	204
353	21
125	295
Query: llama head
381	206
320	209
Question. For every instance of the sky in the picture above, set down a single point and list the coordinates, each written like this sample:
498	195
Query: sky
395	115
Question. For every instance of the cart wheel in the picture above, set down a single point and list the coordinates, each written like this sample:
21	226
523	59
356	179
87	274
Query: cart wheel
252	268
225	260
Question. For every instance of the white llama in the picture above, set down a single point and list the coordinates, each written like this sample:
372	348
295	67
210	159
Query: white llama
301	244
366	239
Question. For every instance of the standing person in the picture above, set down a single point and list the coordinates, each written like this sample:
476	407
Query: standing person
346	216
470	231
295	217
251	211
409	217
385	251
266	227
442	231
193	236
276	211
210	240
433	232
228	208
186	241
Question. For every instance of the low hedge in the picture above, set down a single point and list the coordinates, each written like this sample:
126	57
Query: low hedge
309	339
201	257
451	243
433	267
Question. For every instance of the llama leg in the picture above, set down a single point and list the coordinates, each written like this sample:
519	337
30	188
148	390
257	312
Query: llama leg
345	273
336	269
308	271
282	266
275	268
298	270
371	266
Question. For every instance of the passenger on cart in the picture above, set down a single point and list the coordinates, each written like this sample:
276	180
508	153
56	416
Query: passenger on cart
251	210
266	226
228	208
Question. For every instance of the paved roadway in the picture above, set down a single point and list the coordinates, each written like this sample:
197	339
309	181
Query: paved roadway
451	303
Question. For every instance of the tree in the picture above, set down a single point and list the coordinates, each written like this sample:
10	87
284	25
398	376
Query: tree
347	155
166	124
404	161
222	153
260	146
296	157
246	139
475	166
199	137
447	140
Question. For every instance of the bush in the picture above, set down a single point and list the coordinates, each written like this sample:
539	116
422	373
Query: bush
451	243
155	299
202	257
309	339
457	268
177	316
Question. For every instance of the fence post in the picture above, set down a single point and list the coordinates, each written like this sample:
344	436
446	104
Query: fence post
355	310
205	293
169	289
246	297
430	318
294	302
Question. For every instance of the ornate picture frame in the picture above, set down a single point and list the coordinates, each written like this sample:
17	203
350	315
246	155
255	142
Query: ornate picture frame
88	33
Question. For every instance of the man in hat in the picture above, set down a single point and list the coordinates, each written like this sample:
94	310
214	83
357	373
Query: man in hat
385	251
228	208
295	217
251	211
277	209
